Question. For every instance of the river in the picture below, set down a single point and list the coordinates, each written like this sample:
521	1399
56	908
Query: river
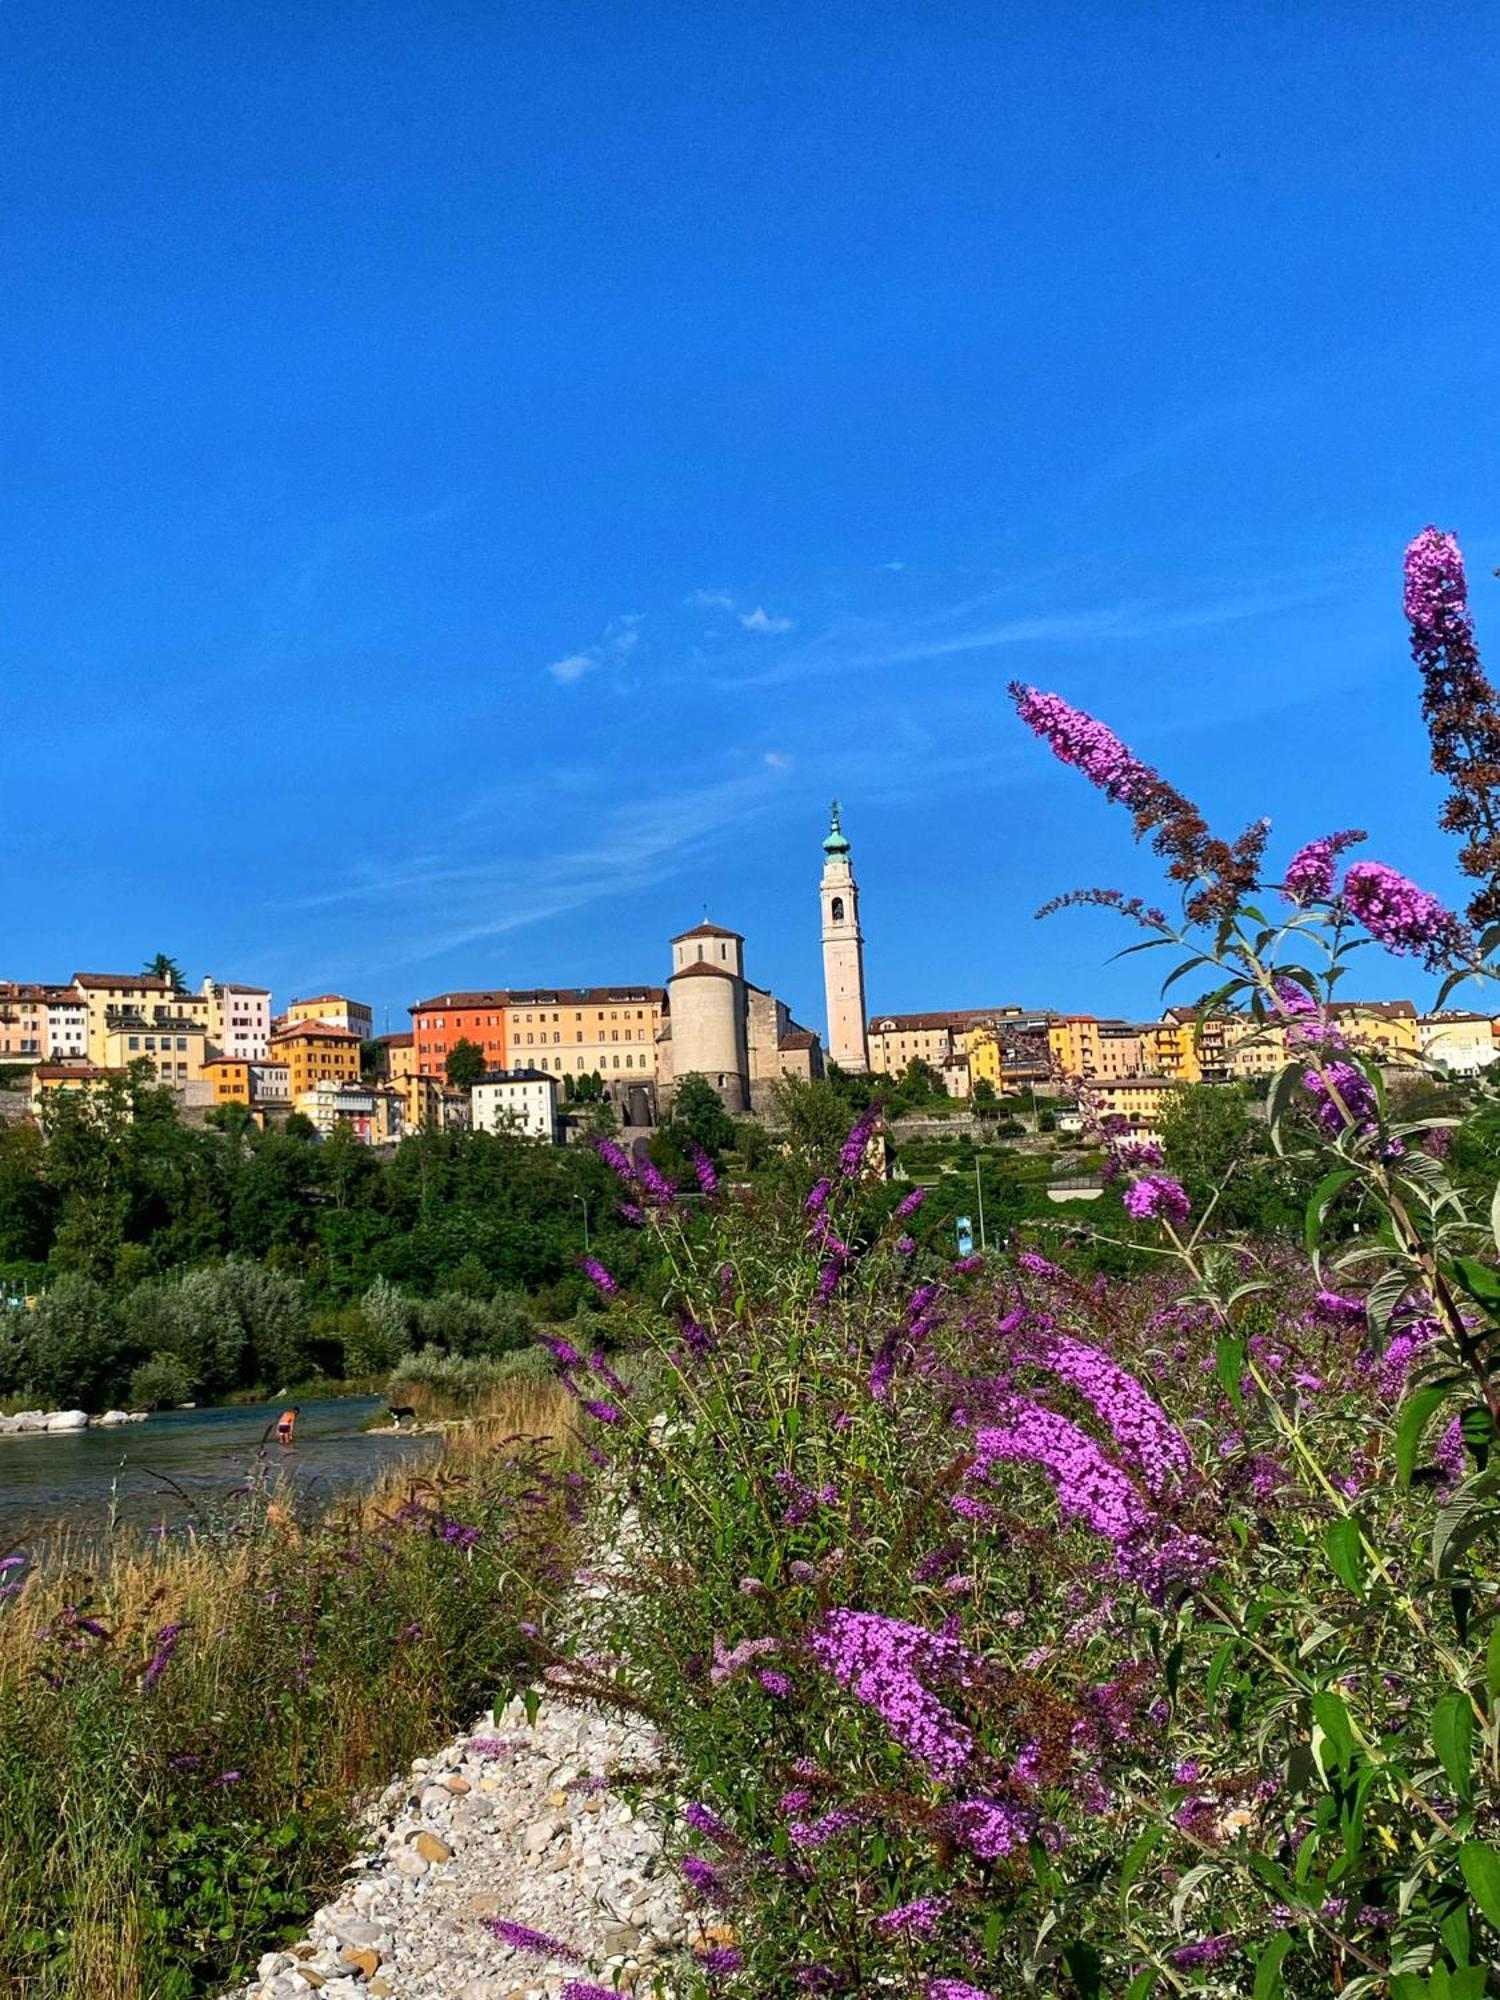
163	1470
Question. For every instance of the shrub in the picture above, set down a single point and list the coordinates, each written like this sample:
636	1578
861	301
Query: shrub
1086	1637
161	1383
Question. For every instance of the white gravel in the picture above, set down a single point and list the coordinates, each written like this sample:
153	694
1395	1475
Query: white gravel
534	1831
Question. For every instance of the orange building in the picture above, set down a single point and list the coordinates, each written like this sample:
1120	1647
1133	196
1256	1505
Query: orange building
316	1052
230	1078
440	1024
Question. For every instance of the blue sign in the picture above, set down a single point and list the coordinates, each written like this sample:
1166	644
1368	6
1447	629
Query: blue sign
965	1230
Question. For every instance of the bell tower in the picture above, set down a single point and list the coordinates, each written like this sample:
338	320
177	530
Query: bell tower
843	954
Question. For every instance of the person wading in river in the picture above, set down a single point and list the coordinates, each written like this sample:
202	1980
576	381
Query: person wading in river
286	1423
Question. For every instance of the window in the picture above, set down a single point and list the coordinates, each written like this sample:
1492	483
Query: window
836	909
135	1041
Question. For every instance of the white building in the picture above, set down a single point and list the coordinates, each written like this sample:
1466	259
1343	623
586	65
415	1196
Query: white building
239	1019
522	1101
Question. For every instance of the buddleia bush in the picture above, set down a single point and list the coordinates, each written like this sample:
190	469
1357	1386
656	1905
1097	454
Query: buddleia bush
1012	1630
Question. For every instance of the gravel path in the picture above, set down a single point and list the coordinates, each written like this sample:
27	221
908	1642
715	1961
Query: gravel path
517	1821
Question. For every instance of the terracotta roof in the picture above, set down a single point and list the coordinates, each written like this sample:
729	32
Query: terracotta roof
702	969
443	1001
582	996
799	1038
518	1076
1383	1010
137	982
396	1041
708	930
323	1031
238	986
47	1072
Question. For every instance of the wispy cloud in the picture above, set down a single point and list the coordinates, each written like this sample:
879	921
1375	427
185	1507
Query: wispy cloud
865	645
636	844
618	641
710	600
760	620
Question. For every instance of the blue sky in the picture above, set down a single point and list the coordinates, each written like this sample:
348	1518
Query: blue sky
479	478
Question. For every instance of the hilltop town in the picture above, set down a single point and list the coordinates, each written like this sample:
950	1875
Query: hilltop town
524	1058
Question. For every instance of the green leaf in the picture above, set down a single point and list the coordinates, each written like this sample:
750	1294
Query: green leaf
1416	1414
1495	1215
1317	1207
1492	1664
1346	1556
1086	1966
1453	1739
1137	1858
1268	1984
1218	1667
1480	1281
1332	1718
1229	1366
1481	1870
1461	1522
1143	1984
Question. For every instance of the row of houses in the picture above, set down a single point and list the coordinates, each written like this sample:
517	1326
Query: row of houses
1131	1068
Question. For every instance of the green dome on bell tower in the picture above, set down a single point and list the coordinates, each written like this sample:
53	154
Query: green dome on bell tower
835	843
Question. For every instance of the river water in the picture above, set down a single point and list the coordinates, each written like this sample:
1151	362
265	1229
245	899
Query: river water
187	1461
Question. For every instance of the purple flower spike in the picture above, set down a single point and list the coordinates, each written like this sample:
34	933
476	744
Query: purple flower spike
1310	872
879	1660
1156	1197
521	1937
1401	916
593	1270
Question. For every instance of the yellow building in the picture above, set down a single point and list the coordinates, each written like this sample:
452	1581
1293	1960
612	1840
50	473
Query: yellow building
985	1057
126	999
1387	1029
1171	1049
577	1030
400	1056
1253	1049
336	1009
1082	1045
176	1047
316	1052
1139	1100
50	1080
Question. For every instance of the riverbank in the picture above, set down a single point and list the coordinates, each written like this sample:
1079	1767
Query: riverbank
179	1467
185	1724
523	1820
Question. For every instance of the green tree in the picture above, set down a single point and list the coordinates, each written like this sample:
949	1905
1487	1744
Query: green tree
465	1065
699	1118
160	966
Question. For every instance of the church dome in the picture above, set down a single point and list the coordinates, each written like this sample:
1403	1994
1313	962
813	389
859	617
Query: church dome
835	843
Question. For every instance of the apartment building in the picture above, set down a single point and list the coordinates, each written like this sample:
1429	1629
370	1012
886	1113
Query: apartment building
1138	1100
441	1023
1464	1044
316	1052
176	1046
522	1101
39	1023
114	998
577	1030
261	1085
239	1019
337	1010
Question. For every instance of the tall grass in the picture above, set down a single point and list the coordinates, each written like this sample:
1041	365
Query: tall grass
187	1727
